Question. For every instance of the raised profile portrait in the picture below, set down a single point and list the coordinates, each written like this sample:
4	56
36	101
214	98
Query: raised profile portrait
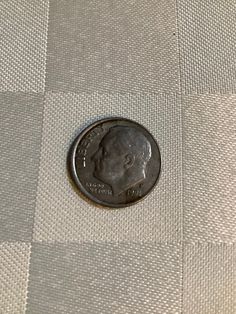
121	158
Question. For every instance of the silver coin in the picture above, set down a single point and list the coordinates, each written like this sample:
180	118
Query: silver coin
115	162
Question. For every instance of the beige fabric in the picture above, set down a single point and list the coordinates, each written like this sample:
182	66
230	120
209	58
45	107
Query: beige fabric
175	251
23	26
63	216
14	270
105	278
209	156
112	46
207	36
209	285
20	139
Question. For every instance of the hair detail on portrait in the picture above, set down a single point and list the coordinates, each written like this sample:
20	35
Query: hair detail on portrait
121	158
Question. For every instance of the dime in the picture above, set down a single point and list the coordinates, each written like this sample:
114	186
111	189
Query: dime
114	162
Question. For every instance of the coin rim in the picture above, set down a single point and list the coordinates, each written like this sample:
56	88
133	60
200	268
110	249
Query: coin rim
73	172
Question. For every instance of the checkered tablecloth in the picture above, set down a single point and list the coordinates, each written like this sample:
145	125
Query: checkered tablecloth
169	65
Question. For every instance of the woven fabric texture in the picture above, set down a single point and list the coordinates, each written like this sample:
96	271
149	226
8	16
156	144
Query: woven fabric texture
14	271
20	133
209	284
207	36
167	64
112	46
209	154
62	216
105	278
23	27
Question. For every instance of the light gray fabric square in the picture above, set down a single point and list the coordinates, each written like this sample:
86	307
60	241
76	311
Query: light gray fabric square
112	45
209	285
20	133
92	278
207	37
14	266
62	215
209	155
23	25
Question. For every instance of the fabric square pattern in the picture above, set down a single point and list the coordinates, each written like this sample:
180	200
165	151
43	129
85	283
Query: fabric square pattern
112	46
62	215
24	25
14	267
207	36
209	154
20	132
93	278
209	285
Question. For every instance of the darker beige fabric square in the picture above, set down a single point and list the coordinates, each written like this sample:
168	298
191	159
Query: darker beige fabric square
105	278
207	36
20	133
24	25
14	268
112	46
209	285
209	155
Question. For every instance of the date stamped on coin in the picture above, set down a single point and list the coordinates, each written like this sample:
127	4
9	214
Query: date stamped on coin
115	162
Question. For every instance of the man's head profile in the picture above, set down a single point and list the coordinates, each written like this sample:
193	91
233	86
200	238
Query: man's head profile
121	158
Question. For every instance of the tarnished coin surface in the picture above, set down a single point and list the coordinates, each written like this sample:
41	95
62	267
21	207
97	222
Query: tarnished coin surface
115	162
